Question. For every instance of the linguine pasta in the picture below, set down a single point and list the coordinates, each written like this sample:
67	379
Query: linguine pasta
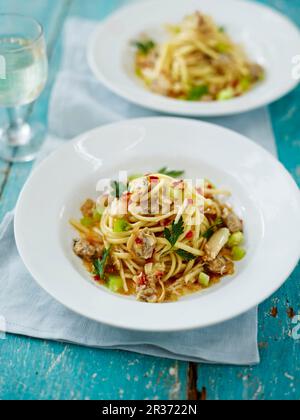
199	62
158	237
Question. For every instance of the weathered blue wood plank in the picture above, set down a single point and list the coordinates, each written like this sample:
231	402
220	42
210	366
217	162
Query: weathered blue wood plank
44	370
278	375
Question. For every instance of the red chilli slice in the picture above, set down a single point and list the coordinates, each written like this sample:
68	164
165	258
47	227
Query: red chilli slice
142	281
153	178
126	196
189	235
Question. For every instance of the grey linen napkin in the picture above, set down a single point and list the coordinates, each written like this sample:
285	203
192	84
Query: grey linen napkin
80	103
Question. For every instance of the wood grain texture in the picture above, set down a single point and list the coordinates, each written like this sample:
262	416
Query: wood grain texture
47	370
278	375
33	369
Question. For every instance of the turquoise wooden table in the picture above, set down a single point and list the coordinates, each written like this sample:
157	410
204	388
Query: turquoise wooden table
33	369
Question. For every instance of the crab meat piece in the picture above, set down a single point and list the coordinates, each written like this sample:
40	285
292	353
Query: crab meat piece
256	71
221	265
88	208
217	243
144	244
87	251
146	294
231	220
154	272
139	185
161	85
146	282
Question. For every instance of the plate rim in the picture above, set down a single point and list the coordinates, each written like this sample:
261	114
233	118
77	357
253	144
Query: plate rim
253	302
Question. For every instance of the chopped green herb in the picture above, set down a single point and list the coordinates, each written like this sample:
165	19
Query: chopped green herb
222	29
144	47
134	176
235	239
210	231
196	93
176	29
225	94
115	283
121	225
118	188
138	72
87	222
222	48
173	174
204	279
99	264
238	253
186	256
176	231
97	216
245	83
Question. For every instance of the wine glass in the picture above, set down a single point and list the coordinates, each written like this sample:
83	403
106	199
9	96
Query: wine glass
23	75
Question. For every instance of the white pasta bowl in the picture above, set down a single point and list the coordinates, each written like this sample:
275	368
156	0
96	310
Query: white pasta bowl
263	194
268	37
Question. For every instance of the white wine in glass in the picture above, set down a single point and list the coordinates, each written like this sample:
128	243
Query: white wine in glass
23	75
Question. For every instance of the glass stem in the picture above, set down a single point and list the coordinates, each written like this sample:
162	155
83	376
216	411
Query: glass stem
18	132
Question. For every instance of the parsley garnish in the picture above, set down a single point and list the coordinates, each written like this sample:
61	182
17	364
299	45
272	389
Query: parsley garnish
186	256
145	47
118	188
210	231
196	93
176	231
173	174
99	265
173	235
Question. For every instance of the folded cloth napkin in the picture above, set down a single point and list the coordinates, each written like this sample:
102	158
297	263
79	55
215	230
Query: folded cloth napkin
79	103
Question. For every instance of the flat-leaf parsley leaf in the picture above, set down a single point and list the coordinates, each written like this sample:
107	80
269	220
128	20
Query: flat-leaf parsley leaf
173	234
173	174
186	256
99	264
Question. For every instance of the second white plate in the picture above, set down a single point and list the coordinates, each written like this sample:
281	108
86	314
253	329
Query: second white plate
268	37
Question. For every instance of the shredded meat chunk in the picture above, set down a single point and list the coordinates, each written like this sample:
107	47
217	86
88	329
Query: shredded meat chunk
231	220
221	265
146	282
256	71
86	251
88	208
161	85
154	272
145	292
144	244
